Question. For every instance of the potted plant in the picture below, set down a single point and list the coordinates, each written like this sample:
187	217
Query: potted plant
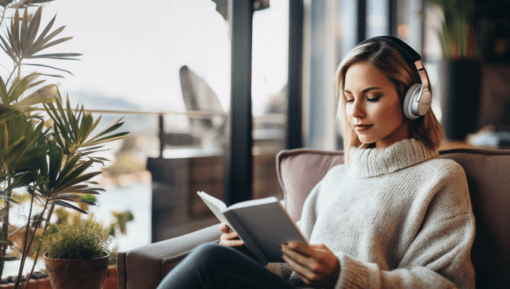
463	35
49	157
76	255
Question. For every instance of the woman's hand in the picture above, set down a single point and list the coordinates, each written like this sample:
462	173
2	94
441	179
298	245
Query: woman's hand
229	238
315	264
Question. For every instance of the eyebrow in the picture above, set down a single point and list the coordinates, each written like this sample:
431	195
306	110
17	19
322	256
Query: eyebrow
364	90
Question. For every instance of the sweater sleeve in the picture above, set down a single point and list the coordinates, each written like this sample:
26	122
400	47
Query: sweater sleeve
439	256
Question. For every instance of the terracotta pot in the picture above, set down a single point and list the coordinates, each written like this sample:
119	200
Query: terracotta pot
76	273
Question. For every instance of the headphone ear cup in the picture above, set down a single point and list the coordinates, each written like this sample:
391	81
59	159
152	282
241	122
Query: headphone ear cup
411	95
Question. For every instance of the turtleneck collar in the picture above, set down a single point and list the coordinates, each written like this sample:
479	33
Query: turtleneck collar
370	162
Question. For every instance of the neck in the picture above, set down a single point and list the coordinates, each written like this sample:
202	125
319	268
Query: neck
402	132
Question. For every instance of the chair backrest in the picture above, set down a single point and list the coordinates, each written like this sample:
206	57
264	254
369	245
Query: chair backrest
488	174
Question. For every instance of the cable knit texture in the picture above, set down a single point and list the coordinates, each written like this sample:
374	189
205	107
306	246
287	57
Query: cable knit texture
396	217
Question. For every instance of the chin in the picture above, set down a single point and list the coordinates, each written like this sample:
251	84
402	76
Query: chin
366	140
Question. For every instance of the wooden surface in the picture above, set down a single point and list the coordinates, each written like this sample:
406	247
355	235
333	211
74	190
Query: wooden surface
448	144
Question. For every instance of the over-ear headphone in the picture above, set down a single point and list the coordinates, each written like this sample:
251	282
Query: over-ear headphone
418	98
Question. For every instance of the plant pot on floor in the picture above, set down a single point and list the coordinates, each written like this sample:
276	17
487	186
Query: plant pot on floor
76	273
460	97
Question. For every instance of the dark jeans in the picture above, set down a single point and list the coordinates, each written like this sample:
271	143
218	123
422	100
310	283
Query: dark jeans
213	266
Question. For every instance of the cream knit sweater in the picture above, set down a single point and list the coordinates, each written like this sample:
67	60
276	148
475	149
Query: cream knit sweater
396	217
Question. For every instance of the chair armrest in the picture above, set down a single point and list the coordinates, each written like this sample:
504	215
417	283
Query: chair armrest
145	267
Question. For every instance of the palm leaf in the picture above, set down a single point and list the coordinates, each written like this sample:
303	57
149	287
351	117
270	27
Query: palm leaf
36	83
47	66
78	180
39	46
37	43
3	92
42	95
24	31
65	204
55	162
66	197
8	49
34	27
111	138
18	89
55	42
64	180
68	167
53	75
56	55
105	131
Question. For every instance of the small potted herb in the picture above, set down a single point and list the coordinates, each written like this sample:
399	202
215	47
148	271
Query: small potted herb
76	255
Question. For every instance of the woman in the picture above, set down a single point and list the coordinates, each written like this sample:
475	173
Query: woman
393	216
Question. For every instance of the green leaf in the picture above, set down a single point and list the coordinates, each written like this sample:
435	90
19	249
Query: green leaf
78	180
24	31
62	56
53	75
18	89
58	41
111	138
42	95
15	33
8	49
34	27
55	158
9	258
47	66
11	147
66	197
36	83
68	167
12	200
65	204
40	39
4	242
3	92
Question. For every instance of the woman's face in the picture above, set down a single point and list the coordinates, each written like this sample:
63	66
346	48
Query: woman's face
373	107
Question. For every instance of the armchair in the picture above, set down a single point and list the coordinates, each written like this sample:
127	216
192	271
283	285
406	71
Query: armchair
488	174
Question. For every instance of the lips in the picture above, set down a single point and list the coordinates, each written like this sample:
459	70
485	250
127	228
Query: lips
363	127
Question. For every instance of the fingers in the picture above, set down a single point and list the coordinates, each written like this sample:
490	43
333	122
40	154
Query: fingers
297	256
306	250
229	236
303	272
225	228
316	265
232	243
230	240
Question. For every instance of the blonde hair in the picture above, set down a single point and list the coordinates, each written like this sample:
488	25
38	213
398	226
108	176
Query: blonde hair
392	64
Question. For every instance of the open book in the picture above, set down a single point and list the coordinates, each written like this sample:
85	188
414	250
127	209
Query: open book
262	224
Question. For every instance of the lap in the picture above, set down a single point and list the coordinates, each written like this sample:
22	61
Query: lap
213	266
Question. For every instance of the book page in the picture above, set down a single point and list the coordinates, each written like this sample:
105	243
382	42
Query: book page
253	203
215	205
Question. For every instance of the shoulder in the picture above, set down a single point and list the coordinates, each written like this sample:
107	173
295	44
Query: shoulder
448	185
443	169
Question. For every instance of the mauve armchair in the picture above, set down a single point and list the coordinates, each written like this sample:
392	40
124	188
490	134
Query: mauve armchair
488	174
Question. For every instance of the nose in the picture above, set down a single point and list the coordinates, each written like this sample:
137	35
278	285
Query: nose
357	109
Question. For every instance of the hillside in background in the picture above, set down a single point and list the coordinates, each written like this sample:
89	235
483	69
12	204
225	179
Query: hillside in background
147	124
